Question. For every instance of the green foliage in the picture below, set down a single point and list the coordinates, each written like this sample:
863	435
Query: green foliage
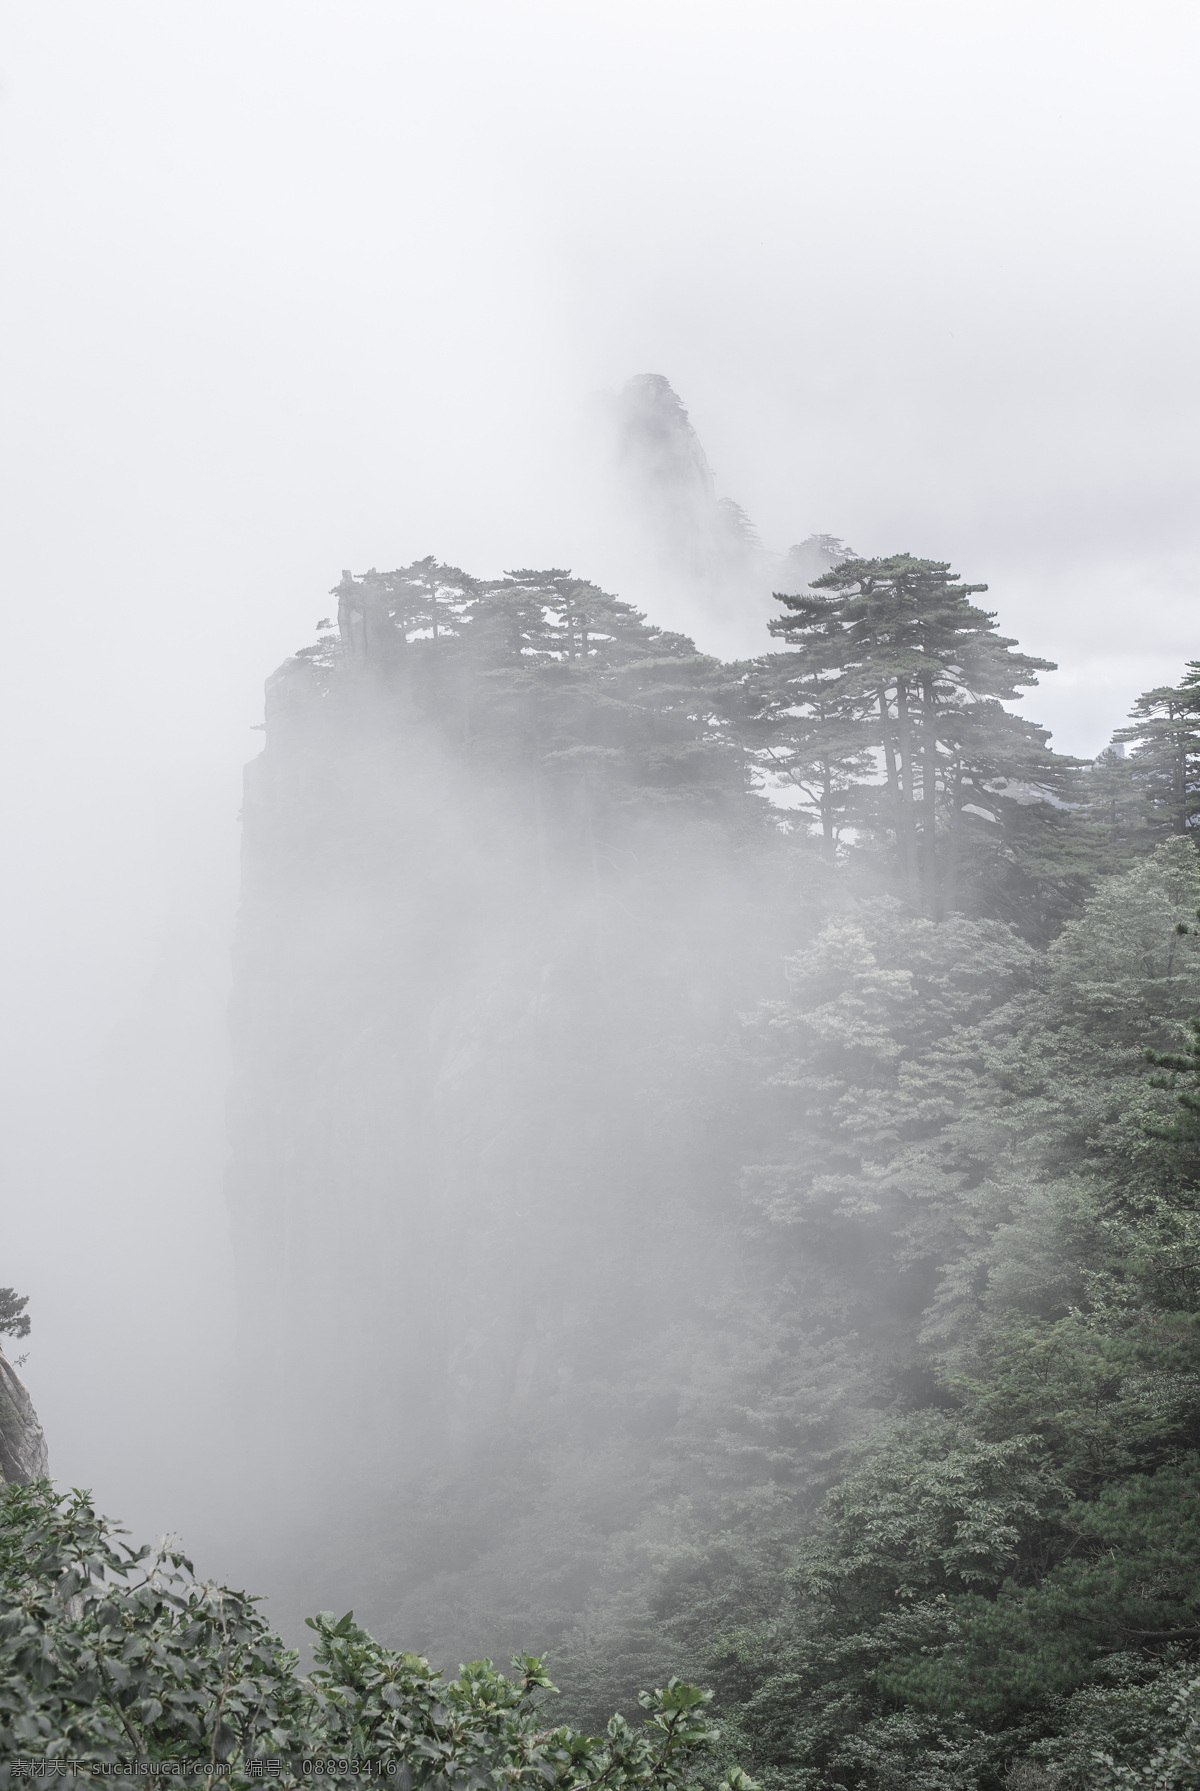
1137	799
546	676
883	717
898	660
1164	731
1185	1063
1107	794
109	1653
978	1117
14	1320
1175	1763
873	1395
923	1509
932	1509
952	1203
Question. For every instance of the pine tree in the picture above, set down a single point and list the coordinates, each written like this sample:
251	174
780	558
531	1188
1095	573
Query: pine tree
14	1320
1164	732
808	723
900	652
1183	1063
1109	797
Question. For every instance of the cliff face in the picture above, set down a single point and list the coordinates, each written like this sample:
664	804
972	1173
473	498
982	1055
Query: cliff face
23	1454
507	888
354	963
504	882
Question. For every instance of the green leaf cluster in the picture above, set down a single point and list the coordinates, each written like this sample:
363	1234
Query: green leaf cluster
1004	1578
898	665
111	1654
14	1320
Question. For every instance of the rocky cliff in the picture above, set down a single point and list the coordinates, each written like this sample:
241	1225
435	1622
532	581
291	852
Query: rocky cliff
23	1455
701	548
504	875
507	886
692	532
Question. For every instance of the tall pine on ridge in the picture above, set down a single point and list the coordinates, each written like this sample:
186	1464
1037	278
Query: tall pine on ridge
899	660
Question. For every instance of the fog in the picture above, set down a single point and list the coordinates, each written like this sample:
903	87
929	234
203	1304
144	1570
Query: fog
296	288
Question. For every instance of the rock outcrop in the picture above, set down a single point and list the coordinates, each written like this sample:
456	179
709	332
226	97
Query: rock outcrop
23	1454
689	533
485	914
693	553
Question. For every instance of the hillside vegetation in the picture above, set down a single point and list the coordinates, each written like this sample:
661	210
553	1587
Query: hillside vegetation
737	1131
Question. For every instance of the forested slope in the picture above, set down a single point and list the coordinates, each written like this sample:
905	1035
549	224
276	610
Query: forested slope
739	1240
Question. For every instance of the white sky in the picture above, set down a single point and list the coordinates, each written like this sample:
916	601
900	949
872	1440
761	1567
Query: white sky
292	286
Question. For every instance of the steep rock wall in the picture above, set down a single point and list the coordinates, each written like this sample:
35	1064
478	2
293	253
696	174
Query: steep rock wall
23	1454
483	947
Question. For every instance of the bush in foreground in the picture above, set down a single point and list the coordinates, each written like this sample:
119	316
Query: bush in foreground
111	1655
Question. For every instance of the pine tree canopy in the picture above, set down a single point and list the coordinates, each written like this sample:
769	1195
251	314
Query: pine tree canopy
888	710
1164	732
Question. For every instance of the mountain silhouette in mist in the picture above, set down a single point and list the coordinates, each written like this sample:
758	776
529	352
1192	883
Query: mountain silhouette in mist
683	532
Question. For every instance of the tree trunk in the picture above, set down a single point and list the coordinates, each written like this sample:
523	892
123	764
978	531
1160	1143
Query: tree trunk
1179	771
929	770
907	815
954	840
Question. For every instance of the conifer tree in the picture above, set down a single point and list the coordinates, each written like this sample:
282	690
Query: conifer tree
542	674
1164	732
809	723
897	658
1185	1064
1109	797
14	1320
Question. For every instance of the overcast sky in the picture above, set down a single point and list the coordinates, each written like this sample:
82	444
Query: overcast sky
294	286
